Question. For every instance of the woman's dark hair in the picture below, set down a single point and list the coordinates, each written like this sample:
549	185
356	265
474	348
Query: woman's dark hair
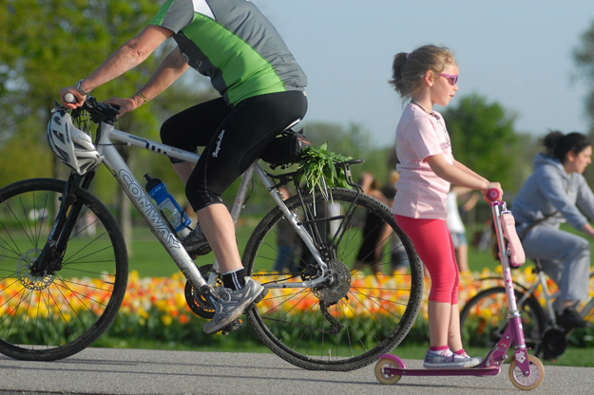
559	144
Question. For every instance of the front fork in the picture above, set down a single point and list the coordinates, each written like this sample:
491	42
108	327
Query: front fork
50	258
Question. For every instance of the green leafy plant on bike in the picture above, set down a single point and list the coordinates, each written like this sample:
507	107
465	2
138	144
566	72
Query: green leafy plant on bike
320	171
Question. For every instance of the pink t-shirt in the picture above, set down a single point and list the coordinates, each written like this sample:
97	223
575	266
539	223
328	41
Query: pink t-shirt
421	192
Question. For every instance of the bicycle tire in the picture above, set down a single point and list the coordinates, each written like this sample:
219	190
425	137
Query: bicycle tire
53	316
304	338
487	313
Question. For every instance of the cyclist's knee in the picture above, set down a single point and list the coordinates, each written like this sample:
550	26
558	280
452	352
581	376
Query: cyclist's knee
580	249
199	196
168	139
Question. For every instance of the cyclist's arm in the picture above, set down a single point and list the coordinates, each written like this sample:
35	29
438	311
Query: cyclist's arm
172	67
131	54
128	56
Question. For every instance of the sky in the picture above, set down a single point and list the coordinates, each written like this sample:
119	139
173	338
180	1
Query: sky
515	53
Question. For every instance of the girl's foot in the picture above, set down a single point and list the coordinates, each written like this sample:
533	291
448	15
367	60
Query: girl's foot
444	359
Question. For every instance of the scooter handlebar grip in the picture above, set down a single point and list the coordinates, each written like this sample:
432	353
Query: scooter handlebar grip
493	194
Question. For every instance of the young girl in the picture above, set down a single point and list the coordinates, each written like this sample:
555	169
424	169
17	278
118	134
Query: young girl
429	76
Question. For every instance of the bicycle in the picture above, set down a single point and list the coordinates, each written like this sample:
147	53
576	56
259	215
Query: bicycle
324	317
483	322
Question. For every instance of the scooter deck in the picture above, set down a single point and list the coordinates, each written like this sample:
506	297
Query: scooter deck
492	371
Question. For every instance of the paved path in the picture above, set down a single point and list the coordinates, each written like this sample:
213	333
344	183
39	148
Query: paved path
125	371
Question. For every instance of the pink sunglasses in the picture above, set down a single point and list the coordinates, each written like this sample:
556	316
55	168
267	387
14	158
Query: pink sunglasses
452	78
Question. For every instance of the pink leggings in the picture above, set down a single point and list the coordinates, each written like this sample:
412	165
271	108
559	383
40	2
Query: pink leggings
433	243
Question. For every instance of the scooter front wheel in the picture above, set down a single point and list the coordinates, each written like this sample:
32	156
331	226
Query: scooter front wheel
531	381
381	373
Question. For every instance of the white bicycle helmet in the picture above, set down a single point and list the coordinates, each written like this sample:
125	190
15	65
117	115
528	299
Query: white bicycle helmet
73	146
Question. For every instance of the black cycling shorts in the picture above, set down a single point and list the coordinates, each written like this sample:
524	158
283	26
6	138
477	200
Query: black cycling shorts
233	136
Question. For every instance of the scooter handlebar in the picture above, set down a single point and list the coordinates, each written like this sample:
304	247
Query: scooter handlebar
493	195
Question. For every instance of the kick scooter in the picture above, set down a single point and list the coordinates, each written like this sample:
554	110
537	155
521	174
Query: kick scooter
526	371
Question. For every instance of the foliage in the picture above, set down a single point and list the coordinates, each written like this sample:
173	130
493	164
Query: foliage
584	58
49	44
319	168
483	136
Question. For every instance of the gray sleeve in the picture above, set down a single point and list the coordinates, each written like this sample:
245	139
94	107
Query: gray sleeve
553	190
585	198
175	16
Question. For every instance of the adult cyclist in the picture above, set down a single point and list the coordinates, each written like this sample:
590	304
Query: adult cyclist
262	92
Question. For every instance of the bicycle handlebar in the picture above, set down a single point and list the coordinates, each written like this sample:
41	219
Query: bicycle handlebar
99	111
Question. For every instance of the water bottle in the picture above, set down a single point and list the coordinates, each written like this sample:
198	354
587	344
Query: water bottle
173	213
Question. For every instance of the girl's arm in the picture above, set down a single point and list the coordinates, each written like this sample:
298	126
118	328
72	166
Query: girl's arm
467	170
459	174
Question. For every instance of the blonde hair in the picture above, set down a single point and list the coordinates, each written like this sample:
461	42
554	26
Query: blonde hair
408	69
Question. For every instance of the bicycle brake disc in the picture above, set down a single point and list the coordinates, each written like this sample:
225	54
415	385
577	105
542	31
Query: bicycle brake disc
200	305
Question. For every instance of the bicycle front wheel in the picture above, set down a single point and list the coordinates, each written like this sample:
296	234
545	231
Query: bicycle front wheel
368	305
54	315
484	318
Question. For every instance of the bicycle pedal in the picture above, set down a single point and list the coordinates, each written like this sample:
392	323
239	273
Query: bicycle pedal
260	297
231	327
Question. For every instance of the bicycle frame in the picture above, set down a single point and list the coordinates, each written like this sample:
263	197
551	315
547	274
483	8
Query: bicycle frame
142	201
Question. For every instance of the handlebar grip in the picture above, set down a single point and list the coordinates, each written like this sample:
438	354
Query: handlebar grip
493	194
69	98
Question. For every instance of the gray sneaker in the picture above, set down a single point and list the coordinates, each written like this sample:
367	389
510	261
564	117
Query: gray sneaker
195	243
231	304
446	359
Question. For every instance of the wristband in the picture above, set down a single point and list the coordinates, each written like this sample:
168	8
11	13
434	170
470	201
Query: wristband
80	89
143	97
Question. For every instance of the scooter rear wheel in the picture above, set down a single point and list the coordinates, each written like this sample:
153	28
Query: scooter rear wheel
531	381
382	376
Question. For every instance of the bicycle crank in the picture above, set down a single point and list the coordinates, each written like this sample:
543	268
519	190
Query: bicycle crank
554	343
196	301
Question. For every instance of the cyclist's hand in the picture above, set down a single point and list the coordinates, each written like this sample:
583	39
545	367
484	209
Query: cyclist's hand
125	105
492	185
72	92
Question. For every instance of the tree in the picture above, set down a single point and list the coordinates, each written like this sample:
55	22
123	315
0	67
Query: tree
49	44
483	138
584	59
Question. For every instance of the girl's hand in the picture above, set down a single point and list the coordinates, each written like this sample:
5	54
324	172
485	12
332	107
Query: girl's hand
492	185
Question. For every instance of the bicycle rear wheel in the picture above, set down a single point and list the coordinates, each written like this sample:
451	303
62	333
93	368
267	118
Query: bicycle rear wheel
52	316
484	318
349	323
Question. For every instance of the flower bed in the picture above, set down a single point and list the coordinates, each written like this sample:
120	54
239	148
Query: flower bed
155	308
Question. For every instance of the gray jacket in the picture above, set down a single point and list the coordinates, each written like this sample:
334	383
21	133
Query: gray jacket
548	190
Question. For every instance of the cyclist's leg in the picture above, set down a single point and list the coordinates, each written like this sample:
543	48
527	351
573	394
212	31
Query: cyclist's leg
191	128
565	257
240	140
